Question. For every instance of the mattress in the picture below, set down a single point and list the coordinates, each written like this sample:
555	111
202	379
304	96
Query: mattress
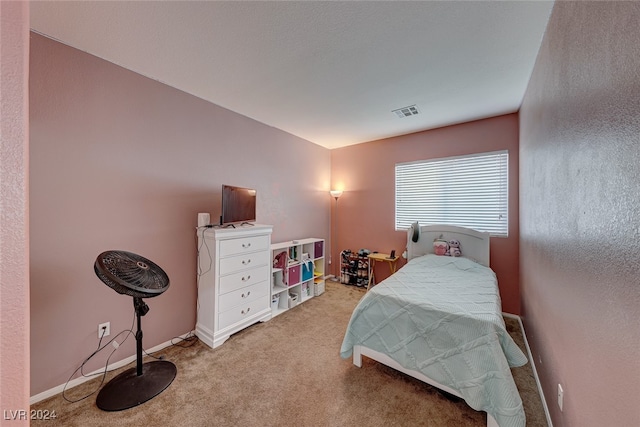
441	316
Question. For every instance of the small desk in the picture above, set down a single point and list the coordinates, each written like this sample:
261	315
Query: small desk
380	257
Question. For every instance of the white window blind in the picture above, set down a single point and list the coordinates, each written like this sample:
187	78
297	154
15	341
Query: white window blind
469	191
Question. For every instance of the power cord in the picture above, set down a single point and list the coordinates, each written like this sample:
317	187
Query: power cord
203	242
190	339
96	351
200	273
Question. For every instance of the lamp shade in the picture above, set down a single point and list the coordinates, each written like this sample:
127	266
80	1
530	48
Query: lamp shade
336	193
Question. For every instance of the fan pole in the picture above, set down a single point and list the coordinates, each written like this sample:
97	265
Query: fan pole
141	309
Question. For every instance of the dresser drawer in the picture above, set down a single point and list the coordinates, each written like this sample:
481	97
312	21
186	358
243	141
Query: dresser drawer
243	262
243	245
243	295
232	282
242	311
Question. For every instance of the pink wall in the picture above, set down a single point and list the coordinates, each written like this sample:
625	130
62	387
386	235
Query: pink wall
365	216
119	161
580	213
14	224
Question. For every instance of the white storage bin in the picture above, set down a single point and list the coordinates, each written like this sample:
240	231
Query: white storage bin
318	288
293	299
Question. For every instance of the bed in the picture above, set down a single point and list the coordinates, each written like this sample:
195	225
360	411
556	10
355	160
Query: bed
439	319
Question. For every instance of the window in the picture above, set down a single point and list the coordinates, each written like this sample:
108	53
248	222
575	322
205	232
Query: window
469	191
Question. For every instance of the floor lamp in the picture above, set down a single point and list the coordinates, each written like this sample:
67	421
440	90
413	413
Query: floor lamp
336	194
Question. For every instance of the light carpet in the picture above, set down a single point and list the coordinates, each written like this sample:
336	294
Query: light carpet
288	371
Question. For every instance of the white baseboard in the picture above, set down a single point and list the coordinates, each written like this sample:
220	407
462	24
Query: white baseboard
77	381
533	367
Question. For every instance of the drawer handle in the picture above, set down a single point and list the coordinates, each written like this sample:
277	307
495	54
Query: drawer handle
244	279
245	312
246	261
248	245
248	293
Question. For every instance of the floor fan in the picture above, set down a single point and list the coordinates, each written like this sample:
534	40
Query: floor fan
136	276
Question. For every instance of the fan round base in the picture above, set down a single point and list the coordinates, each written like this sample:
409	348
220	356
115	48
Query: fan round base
129	389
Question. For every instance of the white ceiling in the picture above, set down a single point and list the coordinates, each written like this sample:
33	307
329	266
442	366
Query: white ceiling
329	72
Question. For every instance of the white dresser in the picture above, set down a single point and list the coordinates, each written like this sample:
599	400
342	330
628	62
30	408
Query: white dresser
234	287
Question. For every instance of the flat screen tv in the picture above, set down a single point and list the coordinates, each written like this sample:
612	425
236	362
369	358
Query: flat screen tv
238	205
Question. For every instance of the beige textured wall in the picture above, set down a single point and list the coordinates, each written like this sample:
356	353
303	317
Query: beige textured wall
580	213
119	161
14	207
366	211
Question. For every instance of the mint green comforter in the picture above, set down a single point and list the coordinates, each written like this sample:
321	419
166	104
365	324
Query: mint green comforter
441	316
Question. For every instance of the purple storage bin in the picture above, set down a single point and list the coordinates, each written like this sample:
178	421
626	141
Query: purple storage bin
318	250
293	275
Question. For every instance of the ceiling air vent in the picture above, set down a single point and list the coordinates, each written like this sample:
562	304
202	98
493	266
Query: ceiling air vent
411	110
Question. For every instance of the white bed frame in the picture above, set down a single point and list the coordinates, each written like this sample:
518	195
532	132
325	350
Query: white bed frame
474	245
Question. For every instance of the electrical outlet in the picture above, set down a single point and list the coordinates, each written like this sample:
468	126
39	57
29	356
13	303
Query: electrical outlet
560	396
107	329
